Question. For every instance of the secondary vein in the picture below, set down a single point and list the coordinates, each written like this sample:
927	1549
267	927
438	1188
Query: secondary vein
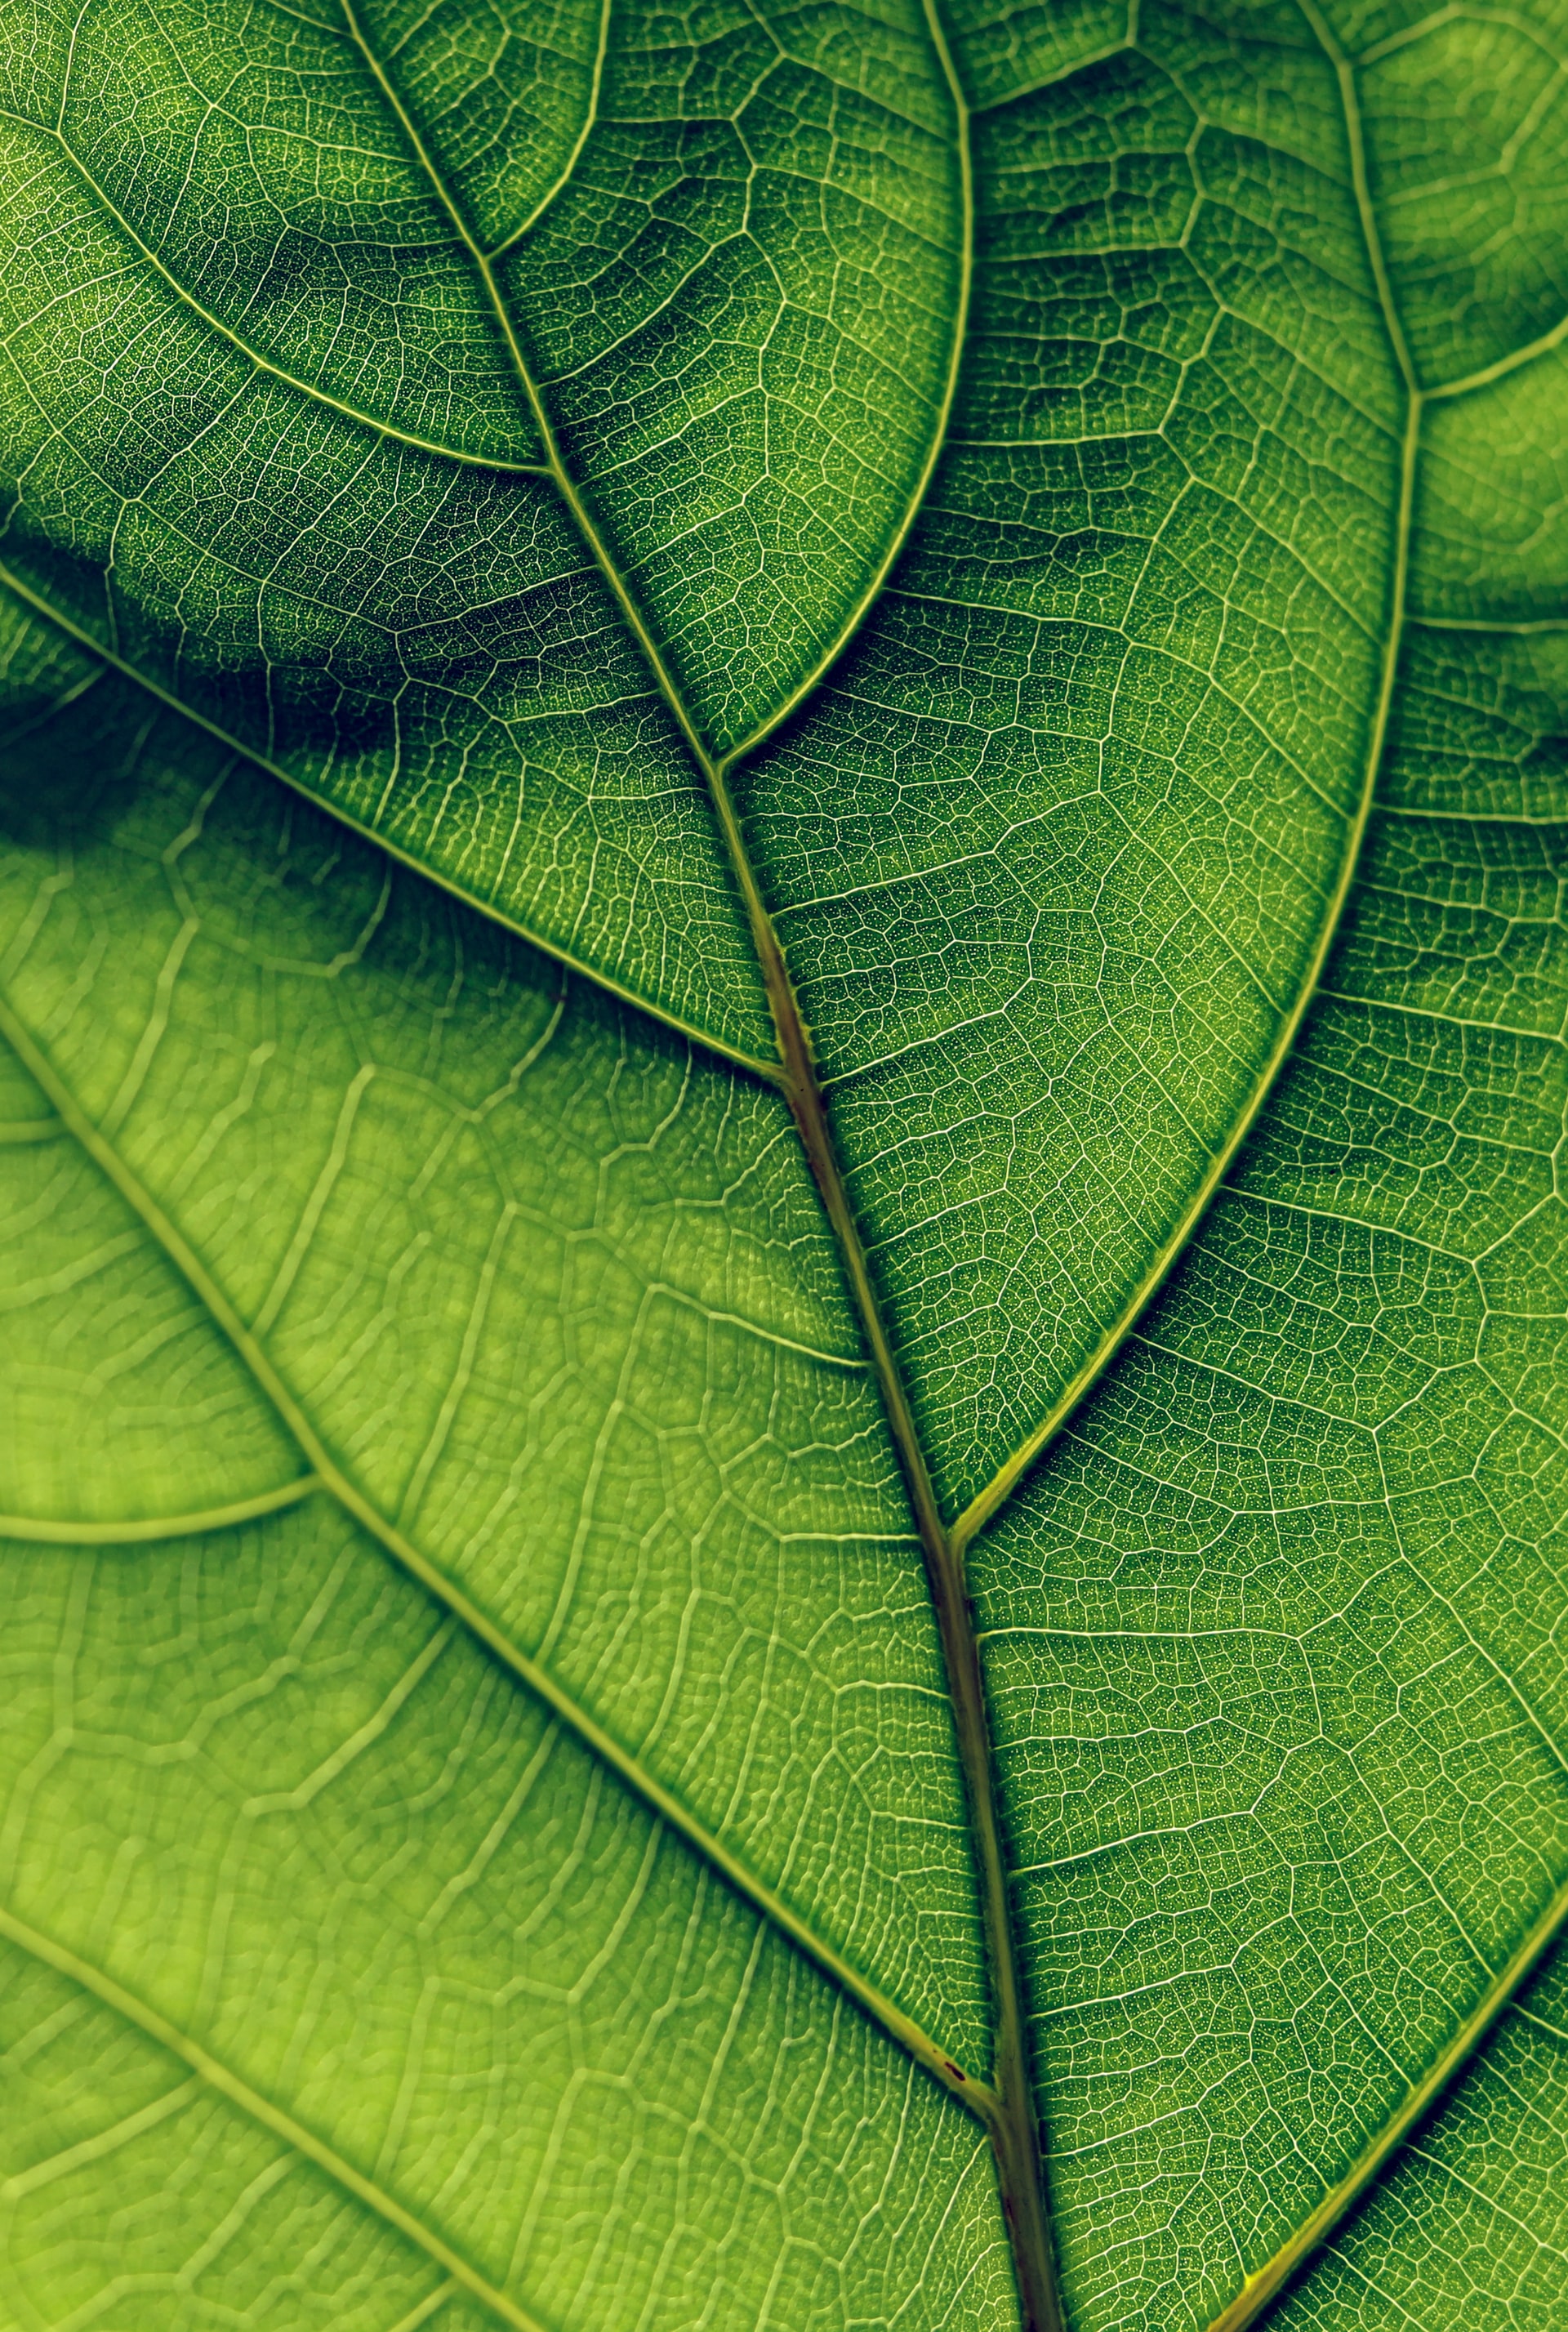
566	485
1263	2285
893	548
982	1508
590	115
146	1530
265	363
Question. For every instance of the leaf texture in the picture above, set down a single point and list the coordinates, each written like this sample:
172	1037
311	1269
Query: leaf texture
810	1356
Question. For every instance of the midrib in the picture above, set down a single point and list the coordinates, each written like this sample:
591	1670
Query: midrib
1006	2103
1007	2107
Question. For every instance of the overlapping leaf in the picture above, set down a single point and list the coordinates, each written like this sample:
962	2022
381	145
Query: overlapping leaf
485	1836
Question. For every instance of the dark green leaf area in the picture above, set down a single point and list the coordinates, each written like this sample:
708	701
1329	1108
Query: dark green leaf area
1481	724
427	644
259	175
743	312
1470	2225
1273	1636
550	1288
1053	850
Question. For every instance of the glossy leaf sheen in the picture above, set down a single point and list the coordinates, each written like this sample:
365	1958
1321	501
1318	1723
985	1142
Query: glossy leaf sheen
1014	504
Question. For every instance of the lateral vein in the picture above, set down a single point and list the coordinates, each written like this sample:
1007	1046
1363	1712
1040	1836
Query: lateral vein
939	430
1263	2285
590	116
986	1504
1499	370
753	1064
566	485
147	1529
268	365
294	2134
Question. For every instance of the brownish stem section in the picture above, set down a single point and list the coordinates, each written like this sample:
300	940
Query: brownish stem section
1008	2112
1006	2106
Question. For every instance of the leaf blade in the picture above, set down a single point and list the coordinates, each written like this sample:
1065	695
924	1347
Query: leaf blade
1288	1379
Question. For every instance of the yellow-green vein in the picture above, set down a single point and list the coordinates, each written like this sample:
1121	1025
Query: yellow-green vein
1487	374
146	1529
987	1502
293	2134
1269	2280
900	536
590	115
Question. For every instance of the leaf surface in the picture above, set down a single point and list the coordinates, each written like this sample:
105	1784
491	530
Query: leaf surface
873	1407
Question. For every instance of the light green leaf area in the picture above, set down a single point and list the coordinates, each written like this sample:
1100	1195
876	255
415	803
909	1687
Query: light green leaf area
534	1277
791	1399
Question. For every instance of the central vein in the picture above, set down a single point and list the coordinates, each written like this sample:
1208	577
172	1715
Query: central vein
1006	2104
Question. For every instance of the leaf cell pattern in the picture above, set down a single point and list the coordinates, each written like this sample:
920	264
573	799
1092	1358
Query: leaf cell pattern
782	936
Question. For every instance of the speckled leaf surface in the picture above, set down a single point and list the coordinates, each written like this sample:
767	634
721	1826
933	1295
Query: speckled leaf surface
782	987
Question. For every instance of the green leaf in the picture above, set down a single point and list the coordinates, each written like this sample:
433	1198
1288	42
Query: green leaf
782	987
